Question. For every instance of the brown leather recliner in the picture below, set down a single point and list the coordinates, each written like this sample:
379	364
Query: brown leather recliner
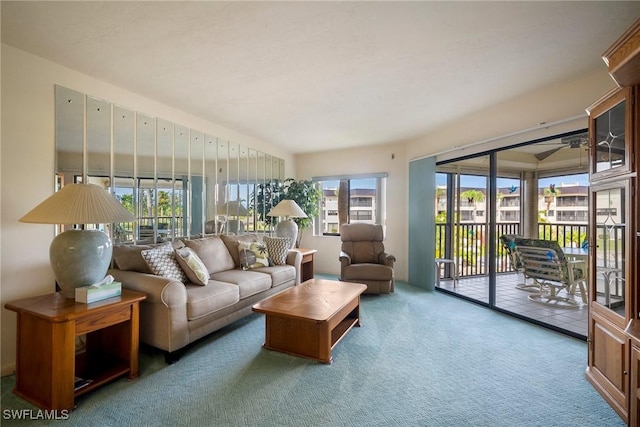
363	258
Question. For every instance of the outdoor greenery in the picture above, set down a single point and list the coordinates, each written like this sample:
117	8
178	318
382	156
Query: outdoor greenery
470	239
303	192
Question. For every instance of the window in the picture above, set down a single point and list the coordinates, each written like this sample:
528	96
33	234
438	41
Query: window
582	216
157	203
360	216
364	203
510	216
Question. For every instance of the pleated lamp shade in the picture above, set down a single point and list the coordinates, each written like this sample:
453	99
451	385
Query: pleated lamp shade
288	209
79	204
79	257
288	228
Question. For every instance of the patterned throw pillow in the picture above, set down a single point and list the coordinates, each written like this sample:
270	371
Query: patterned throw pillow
193	266
253	255
278	248
162	262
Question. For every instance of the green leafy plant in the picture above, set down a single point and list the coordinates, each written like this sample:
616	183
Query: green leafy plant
303	192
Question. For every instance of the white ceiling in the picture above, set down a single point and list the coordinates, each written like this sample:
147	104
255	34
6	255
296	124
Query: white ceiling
312	76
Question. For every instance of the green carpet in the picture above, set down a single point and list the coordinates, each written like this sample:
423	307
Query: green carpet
419	359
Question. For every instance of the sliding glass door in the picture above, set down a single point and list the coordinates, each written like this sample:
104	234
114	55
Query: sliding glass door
462	223
537	191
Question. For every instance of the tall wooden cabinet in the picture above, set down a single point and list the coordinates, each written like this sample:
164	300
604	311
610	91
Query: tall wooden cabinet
614	232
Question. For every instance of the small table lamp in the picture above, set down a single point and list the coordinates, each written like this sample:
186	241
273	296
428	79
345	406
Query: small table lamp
288	228
79	257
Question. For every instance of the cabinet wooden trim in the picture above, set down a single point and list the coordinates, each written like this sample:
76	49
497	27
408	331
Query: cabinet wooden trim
623	57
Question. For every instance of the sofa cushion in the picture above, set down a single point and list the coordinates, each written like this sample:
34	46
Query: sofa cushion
162	262
249	282
280	274
213	253
278	248
192	266
129	258
231	242
203	300
253	255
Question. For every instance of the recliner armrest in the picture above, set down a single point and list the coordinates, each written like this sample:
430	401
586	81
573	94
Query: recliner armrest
344	258
386	259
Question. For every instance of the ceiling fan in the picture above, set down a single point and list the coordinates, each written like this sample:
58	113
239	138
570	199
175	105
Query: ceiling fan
574	141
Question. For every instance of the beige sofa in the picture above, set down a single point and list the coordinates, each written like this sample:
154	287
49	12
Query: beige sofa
176	314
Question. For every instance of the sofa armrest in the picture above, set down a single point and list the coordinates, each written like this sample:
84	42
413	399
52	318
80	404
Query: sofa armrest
163	315
294	258
159	289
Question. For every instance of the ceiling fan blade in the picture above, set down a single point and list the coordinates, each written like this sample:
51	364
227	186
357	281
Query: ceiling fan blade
545	154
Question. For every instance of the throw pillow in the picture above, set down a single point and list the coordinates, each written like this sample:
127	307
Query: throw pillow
193	266
278	248
253	255
162	262
231	242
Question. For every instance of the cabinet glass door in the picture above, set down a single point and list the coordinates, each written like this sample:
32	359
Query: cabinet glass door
610	246
610	135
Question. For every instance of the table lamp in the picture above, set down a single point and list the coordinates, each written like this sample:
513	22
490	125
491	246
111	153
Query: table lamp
232	208
79	257
288	228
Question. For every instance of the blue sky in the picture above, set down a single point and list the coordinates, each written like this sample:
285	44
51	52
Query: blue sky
369	183
480	181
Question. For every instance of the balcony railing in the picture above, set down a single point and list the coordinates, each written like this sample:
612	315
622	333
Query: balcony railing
124	232
470	244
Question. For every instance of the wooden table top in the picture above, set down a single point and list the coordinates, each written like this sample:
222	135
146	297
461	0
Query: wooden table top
56	308
315	299
306	251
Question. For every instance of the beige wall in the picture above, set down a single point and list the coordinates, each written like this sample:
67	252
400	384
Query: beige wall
361	161
27	169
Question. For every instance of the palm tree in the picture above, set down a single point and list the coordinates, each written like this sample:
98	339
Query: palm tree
549	196
473	196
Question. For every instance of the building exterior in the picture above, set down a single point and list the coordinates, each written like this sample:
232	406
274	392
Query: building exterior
567	203
362	208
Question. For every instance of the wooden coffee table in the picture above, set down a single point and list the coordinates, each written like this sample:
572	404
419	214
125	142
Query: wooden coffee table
308	320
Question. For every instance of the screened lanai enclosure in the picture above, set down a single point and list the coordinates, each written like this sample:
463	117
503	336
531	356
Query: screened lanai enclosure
537	190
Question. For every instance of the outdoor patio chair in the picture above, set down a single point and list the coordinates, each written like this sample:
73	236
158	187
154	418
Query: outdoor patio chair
509	244
544	262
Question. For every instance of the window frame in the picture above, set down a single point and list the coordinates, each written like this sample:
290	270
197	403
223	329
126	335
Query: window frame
379	201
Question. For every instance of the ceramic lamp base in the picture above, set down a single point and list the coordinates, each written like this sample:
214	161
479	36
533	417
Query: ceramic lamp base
288	228
79	258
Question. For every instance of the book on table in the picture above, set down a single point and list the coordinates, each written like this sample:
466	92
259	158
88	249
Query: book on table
79	383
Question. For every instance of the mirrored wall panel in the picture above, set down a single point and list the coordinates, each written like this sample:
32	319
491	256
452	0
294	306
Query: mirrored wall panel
178	182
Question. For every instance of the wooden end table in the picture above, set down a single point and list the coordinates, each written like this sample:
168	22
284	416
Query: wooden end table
47	363
306	268
310	319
